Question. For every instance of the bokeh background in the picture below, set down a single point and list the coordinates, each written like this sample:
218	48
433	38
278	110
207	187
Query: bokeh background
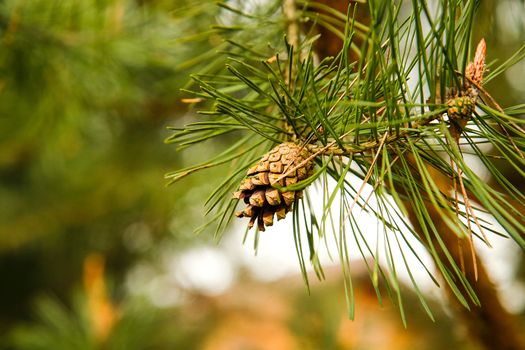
96	252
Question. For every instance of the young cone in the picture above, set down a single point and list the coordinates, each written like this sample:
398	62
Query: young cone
283	166
461	105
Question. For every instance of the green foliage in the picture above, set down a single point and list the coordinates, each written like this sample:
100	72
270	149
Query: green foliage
58	327
86	89
381	119
85	83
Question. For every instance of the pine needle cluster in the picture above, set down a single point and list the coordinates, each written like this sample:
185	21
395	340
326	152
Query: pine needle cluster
402	118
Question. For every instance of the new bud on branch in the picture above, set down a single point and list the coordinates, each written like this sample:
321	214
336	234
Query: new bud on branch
461	104
283	166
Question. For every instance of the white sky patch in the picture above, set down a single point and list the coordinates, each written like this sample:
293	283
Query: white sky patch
206	269
275	257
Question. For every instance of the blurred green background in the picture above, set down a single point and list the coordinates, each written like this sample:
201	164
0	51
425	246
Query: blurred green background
87	225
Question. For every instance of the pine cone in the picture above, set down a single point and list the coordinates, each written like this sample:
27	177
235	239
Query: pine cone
461	108
284	165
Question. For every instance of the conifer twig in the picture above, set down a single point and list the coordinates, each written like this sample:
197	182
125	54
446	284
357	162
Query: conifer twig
350	149
365	113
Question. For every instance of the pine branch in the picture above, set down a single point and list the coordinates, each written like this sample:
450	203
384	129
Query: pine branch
367	119
348	150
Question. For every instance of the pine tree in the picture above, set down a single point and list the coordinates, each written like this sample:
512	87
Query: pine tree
399	105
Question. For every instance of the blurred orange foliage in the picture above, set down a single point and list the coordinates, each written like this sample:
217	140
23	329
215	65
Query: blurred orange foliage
103	314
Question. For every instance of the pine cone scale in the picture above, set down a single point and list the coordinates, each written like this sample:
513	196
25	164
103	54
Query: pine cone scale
257	199
273	197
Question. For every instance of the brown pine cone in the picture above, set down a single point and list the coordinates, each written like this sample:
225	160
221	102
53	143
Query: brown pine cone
284	165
